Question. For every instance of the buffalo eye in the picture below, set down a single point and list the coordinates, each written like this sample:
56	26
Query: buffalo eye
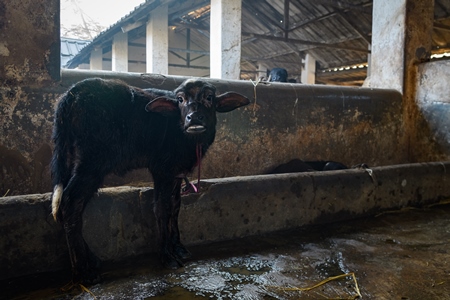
180	99
209	98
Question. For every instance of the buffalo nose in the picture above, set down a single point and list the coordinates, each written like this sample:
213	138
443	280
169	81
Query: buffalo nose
194	117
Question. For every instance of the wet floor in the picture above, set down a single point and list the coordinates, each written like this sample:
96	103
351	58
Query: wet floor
397	255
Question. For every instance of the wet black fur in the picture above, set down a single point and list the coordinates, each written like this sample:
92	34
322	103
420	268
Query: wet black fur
102	127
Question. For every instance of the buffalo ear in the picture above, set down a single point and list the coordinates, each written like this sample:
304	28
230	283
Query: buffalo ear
230	101
163	105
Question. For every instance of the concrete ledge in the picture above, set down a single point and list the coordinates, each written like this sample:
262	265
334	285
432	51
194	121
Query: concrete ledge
119	222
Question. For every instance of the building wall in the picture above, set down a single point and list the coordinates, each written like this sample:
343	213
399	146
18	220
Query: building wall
29	72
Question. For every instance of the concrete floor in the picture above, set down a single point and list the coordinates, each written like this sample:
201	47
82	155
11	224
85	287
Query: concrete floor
398	255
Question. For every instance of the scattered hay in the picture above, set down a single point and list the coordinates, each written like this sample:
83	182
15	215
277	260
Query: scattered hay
409	208
70	286
85	289
323	282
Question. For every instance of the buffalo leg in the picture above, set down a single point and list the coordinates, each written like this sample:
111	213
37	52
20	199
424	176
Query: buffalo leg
162	210
178	249
78	191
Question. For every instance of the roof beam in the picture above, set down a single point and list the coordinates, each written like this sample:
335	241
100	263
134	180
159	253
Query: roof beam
343	5
350	23
191	26
341	8
189	67
286	18
265	18
303	42
177	55
441	26
181	8
326	16
443	8
281	39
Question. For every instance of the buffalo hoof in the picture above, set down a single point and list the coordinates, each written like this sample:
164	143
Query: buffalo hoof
181	252
87	277
171	262
88	274
91	278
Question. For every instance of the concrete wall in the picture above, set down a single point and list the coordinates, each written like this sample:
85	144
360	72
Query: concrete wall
29	70
351	125
119	222
433	100
401	49
285	121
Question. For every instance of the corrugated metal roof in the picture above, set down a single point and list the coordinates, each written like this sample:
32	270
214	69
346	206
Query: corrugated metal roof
336	32
70	48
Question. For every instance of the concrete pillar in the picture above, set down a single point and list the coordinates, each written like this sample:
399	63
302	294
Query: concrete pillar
225	39
120	52
369	60
96	60
261	72
401	31
309	71
401	39
418	44
157	41
388	40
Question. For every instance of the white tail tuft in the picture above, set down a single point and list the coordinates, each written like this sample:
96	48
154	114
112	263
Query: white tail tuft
56	199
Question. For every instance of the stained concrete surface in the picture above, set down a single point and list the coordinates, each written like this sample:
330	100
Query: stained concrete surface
402	254
119	222
350	125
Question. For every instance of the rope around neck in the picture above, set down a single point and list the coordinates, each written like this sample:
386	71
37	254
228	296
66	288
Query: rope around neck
199	164
189	186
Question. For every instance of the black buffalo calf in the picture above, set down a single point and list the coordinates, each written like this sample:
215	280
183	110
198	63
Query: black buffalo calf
106	126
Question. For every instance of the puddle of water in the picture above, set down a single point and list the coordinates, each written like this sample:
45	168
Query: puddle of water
251	277
175	292
233	278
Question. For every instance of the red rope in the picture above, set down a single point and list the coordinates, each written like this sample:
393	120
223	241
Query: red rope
199	163
189	186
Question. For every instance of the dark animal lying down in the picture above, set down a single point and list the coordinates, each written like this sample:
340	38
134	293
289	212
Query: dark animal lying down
297	165
278	75
104	126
